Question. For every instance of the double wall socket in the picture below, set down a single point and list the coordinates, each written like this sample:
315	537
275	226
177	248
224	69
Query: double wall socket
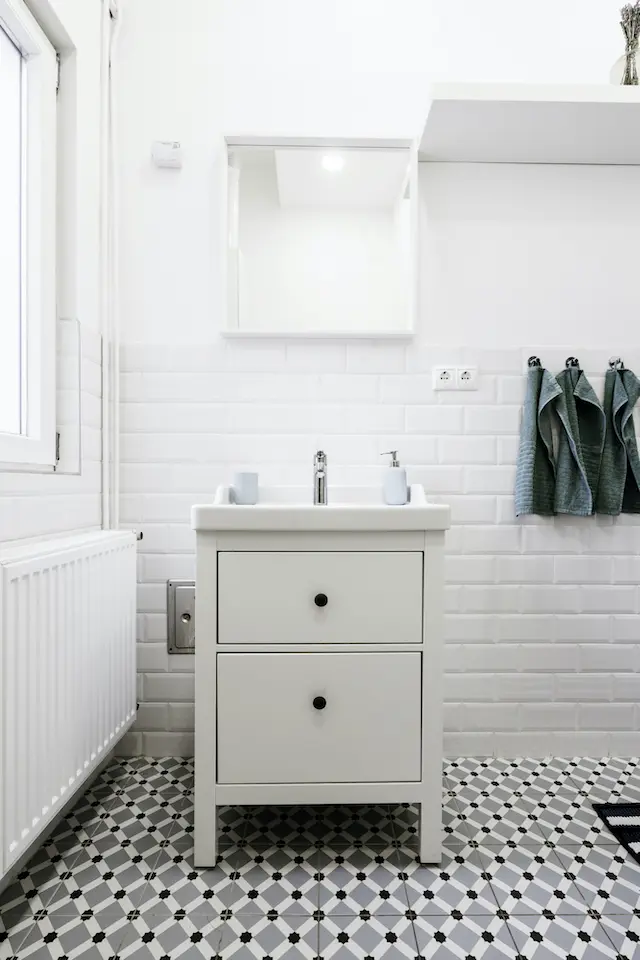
455	378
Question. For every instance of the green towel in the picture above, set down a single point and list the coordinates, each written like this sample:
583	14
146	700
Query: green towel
580	444
535	474
619	490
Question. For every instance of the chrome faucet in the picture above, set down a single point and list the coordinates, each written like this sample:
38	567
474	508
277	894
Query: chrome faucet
320	478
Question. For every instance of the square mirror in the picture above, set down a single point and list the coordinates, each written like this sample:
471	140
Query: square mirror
321	238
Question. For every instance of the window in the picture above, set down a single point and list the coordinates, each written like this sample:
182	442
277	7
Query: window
28	75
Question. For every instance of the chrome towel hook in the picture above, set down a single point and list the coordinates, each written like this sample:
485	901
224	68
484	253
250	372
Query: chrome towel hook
616	363
572	362
534	362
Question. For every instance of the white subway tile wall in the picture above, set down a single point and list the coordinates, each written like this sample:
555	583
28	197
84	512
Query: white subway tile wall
542	625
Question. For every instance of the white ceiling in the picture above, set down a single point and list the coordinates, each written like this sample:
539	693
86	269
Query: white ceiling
369	178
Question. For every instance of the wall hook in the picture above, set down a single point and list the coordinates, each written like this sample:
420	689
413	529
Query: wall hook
534	362
616	363
572	362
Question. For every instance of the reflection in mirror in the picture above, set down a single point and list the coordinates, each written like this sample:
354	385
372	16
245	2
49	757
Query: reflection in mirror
319	240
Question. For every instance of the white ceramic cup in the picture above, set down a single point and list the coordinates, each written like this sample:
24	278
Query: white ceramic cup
245	488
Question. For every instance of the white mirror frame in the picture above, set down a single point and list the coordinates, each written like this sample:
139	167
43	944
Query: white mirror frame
230	311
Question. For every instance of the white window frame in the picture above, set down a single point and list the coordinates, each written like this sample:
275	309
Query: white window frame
37	443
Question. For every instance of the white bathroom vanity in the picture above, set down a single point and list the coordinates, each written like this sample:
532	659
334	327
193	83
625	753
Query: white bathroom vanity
319	655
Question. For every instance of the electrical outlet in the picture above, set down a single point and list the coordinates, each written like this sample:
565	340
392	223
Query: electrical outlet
467	378
444	378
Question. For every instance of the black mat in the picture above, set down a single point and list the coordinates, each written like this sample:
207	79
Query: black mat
625	826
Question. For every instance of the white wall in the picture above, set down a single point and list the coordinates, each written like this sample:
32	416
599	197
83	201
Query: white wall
542	624
33	504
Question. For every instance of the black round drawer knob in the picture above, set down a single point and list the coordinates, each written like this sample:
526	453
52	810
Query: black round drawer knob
321	599
319	703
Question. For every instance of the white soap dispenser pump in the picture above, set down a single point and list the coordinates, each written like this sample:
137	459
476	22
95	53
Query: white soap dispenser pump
394	484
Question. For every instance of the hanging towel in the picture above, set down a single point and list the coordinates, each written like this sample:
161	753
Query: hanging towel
619	489
535	474
580	444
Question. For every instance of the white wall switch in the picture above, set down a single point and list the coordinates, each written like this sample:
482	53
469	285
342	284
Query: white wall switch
467	378
167	153
444	378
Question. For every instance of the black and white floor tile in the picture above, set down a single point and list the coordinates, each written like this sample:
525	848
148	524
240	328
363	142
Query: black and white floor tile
528	871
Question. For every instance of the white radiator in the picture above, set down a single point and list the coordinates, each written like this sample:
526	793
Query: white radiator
67	673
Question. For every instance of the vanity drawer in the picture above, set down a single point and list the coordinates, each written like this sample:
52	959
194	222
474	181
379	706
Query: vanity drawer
320	597
319	717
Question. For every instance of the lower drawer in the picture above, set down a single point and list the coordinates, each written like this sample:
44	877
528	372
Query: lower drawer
318	718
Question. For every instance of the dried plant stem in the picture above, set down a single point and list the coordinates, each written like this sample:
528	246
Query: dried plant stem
630	23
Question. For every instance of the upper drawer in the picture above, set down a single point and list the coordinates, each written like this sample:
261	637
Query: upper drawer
319	597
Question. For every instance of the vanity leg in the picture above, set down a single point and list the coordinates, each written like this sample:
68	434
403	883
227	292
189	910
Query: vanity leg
430	835
205	836
204	795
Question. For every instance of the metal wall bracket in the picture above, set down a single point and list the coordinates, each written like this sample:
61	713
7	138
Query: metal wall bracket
181	608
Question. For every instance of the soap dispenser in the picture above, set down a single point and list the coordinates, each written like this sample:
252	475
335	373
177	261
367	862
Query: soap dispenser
394	484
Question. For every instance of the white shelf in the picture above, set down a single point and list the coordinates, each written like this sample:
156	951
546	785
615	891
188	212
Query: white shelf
317	334
541	123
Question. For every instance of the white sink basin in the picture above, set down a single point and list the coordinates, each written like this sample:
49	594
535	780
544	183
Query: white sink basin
292	508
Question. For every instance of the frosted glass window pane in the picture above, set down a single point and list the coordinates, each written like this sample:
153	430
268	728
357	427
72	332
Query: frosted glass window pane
10	235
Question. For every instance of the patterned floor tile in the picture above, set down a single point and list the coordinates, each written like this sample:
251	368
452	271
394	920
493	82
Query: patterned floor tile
287	938
551	774
232	825
624	932
405	819
458	883
606	877
548	937
525	861
331	825
174	884
529	880
133	817
344	938
88	814
70	937
11	940
34	888
167	775
155	937
572	820
463	937
95	878
608	779
493	821
354	880
281	879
